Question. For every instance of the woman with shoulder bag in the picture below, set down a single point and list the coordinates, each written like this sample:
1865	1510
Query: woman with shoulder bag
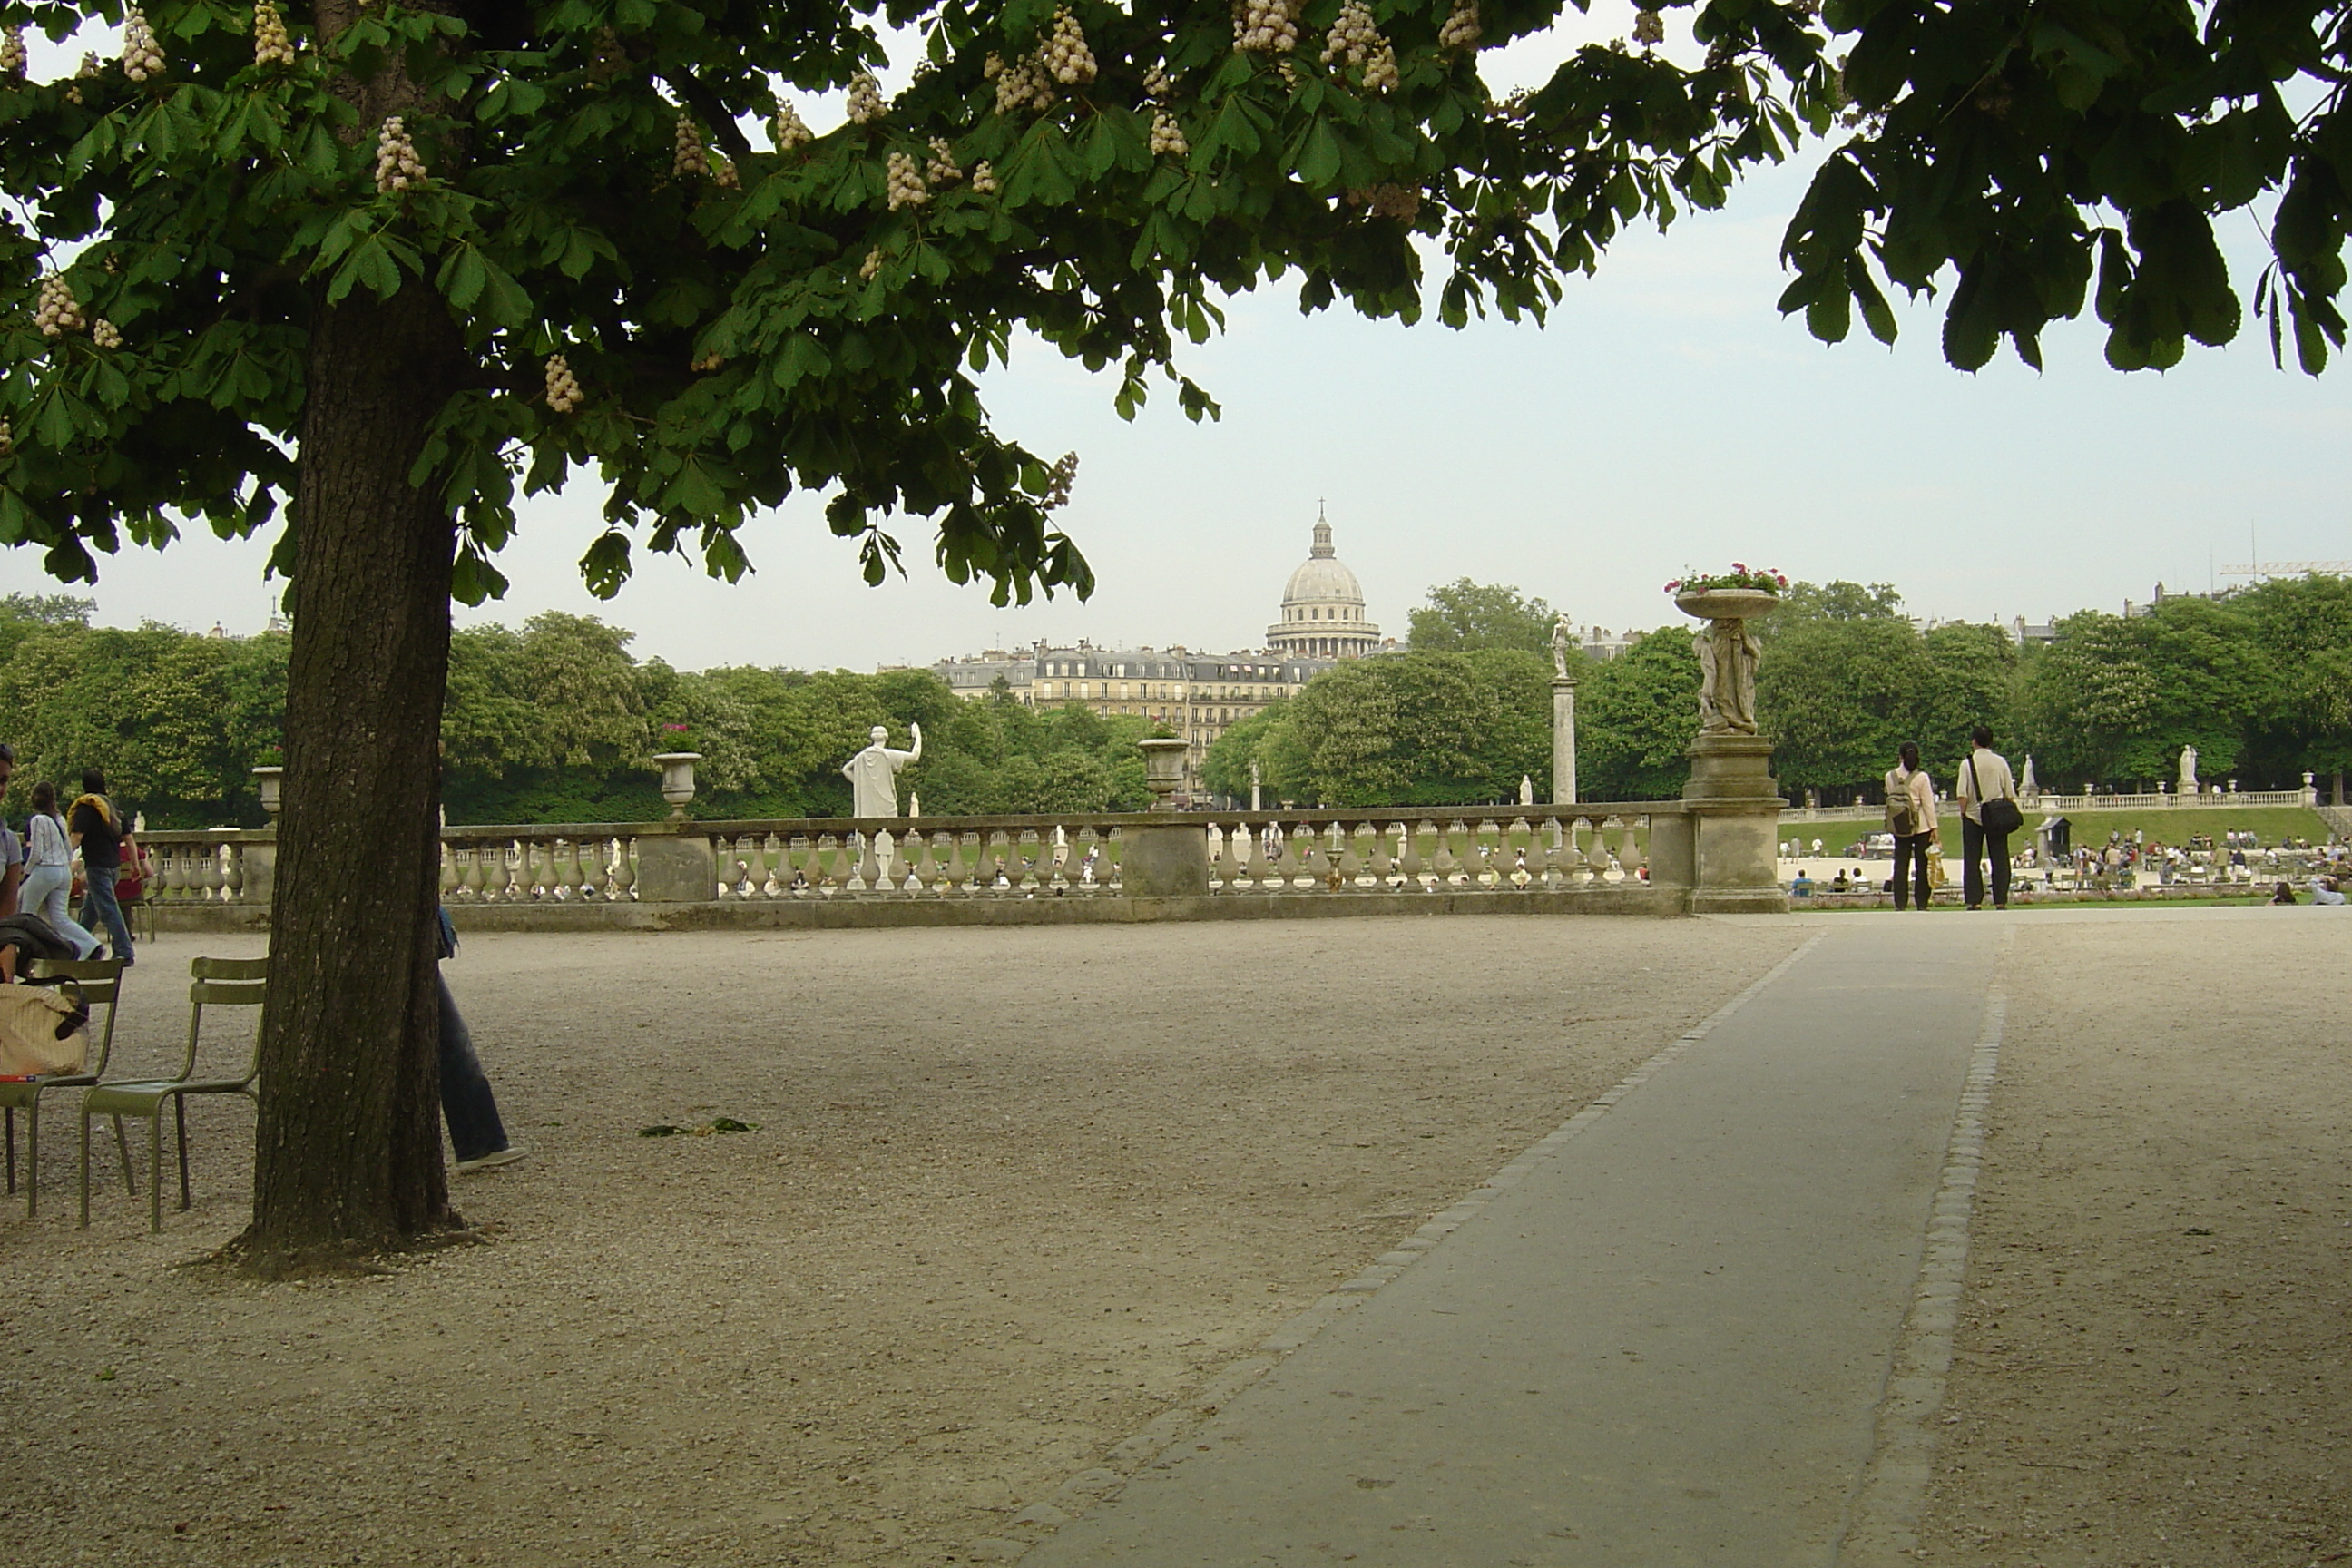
1911	817
1988	815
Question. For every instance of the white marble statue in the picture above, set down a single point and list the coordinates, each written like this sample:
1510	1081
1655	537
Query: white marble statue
1563	636
2027	785
1526	790
873	773
1728	653
2188	770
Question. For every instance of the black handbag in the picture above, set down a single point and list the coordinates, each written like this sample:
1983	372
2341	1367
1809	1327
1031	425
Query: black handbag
1999	815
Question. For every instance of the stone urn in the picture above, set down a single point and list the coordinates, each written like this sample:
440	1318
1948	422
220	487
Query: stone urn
1163	770
678	779
1729	603
270	783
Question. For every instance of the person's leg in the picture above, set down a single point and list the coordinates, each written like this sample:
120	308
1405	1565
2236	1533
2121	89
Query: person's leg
1921	885
1905	843
99	906
467	1103
1972	835
1996	847
46	892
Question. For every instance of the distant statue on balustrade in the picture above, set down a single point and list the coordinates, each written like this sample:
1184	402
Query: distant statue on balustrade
1728	652
873	773
2188	770
1563	637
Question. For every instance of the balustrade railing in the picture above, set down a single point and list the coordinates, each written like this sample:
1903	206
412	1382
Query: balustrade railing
197	869
559	863
1449	849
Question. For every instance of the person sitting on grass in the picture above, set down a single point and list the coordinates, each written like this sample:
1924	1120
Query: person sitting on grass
2323	890
2284	893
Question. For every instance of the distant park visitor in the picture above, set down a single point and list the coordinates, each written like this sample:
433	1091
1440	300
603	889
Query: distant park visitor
1988	815
1911	818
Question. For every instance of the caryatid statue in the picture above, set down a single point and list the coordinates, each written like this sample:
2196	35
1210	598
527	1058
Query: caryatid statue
1728	653
1563	637
873	773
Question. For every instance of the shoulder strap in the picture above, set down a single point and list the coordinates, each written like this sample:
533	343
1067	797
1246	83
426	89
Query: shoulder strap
1975	788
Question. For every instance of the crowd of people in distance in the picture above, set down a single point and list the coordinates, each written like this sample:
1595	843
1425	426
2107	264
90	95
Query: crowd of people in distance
91	843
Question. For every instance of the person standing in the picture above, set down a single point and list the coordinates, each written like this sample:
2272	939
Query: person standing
1984	781
1911	817
97	832
12	850
49	869
477	1135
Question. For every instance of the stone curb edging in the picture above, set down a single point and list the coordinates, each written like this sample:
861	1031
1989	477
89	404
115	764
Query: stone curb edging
1883	1519
1028	1526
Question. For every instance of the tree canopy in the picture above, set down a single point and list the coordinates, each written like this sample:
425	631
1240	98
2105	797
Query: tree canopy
1462	617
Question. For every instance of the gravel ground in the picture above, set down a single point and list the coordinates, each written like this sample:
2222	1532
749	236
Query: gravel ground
2154	1355
1011	1195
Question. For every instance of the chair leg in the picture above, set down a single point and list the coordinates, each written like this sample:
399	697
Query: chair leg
122	1147
155	1172
180	1109
9	1113
33	1158
85	1165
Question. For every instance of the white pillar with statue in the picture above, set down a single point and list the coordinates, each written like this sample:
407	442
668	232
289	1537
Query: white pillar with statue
1563	716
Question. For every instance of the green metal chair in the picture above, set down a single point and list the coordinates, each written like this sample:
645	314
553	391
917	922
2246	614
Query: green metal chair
218	982
99	979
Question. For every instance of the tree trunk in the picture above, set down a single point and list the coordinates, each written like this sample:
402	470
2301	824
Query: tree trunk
348	1155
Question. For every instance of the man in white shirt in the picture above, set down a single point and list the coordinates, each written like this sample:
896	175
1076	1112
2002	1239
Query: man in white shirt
1984	776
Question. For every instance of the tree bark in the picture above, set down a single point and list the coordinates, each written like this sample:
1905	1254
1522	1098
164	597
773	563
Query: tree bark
348	1154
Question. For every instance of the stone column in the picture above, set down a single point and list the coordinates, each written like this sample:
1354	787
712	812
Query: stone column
675	865
1563	740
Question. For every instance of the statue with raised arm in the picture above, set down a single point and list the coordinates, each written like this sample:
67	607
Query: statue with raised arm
873	773
1562	637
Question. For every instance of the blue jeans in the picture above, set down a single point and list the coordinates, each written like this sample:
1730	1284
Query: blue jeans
45	891
98	905
467	1103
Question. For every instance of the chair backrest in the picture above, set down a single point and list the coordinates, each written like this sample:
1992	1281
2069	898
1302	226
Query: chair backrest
99	979
226	982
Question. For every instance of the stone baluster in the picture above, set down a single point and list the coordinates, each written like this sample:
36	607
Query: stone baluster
1574	871
868	874
1637	849
564	873
1034	850
1233	857
624	870
1443	866
214	879
1377	858
1314	860
1619	848
232	873
1357	845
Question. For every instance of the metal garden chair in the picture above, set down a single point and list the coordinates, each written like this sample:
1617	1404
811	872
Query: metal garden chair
218	982
99	979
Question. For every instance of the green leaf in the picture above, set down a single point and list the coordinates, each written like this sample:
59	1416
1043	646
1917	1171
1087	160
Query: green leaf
1317	164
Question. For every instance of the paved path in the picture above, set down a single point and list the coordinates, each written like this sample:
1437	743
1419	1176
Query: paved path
1666	1345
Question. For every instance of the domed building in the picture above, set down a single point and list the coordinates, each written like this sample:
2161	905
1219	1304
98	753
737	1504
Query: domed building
1323	608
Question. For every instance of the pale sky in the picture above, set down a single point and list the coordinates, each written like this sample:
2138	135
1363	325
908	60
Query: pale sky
1667	417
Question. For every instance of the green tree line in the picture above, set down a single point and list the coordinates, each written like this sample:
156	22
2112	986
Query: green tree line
555	722
2259	682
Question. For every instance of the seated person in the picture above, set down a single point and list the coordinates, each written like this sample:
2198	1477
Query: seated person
2283	894
2323	890
24	938
1838	884
1803	885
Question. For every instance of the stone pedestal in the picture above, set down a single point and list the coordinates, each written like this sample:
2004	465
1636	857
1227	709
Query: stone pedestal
1563	742
258	859
675	868
1165	862
1735	810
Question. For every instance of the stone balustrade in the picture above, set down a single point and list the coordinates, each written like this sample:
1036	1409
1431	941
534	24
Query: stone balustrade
1085	856
1632	856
